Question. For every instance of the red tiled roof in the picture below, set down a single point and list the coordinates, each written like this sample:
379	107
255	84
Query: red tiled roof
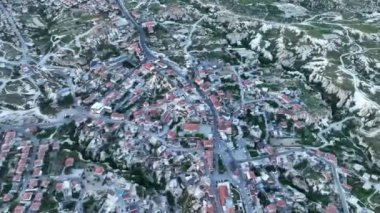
9	136
19	209
99	170
331	208
215	101
69	162
32	183
225	126
210	209
331	157
299	125
35	206
16	178
191	127
117	116
281	203
38	197
59	186
223	194
210	159
26	196
36	172
171	135
7	197
148	66
271	208
208	144
45	183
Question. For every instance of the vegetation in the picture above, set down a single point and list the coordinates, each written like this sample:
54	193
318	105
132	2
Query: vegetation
310	194
252	152
46	107
138	175
90	205
301	165
186	165
221	167
358	190
170	197
48	203
66	101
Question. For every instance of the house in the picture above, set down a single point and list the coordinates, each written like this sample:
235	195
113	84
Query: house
191	127
210	208
215	101
271	208
210	159
38	197
36	172
171	135
225	126
284	98
19	209
135	48
208	144
251	175
26	196
331	208
55	146
59	186
148	67
99	170
299	125
69	162
332	158
97	108
281	204
284	124
150	25
32	183
35	206
45	183
16	178
9	136
223	194
7	197
117	116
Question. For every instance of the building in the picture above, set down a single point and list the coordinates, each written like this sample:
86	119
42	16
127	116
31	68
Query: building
19	209
69	162
97	108
117	116
223	194
210	159
191	127
208	144
149	25
99	170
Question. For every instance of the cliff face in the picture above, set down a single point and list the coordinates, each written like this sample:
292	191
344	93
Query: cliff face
331	88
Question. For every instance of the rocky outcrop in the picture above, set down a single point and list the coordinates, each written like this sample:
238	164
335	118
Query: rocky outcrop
331	88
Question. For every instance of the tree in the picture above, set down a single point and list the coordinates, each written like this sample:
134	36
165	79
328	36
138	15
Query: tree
170	198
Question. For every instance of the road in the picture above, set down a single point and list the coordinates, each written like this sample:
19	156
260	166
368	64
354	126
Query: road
225	153
142	41
13	25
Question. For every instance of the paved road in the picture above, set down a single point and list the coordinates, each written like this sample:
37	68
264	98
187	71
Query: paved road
13	25
142	41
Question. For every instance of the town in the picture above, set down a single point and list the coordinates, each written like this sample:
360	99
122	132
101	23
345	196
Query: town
114	126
